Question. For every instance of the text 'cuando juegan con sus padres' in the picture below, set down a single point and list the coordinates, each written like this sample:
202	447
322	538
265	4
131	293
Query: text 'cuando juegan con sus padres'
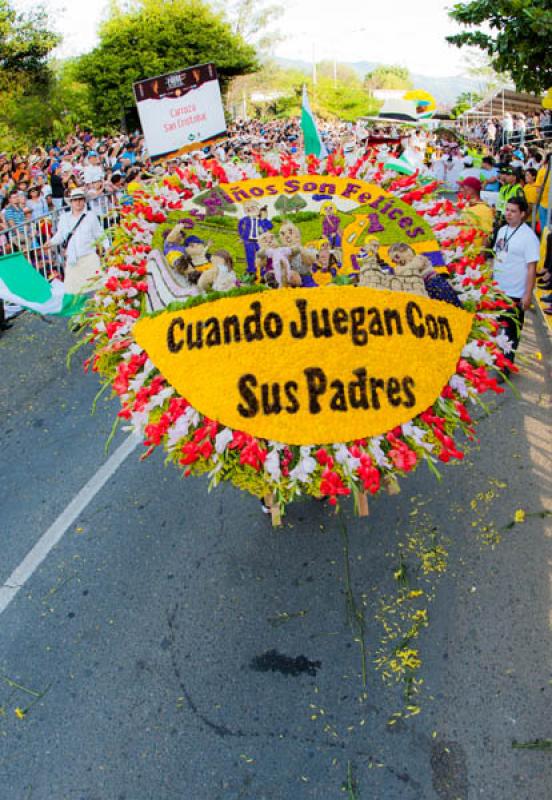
308	367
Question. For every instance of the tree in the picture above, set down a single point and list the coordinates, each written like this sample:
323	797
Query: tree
25	75
478	66
32	118
344	100
252	20
463	102
25	44
388	76
342	72
518	41
153	37
290	205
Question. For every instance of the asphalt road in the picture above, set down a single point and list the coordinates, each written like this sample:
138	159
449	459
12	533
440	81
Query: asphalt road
147	627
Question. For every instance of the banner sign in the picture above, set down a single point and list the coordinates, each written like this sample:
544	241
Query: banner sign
320	226
301	367
180	111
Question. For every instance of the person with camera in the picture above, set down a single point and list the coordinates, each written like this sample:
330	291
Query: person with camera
79	233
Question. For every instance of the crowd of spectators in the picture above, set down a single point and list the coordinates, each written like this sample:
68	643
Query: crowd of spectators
39	184
34	187
511	128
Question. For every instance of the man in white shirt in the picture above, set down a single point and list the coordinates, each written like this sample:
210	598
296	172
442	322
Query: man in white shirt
93	171
507	128
515	265
79	232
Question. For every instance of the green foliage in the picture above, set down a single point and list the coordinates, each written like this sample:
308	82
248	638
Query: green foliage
345	100
518	41
35	115
341	72
25	43
290	205
298	216
25	76
388	76
154	37
463	102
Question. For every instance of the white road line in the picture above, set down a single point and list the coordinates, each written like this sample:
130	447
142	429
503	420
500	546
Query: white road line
52	536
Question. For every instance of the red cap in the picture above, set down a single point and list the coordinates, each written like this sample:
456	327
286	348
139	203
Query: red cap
473	183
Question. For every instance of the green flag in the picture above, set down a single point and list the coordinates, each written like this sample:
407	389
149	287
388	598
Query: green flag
20	283
402	165
312	141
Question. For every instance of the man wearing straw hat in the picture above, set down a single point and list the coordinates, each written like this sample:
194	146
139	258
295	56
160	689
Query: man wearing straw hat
79	232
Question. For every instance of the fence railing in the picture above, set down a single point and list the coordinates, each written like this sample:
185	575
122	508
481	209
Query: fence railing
532	138
30	237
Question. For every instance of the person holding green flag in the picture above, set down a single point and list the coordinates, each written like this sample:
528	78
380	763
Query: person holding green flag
78	232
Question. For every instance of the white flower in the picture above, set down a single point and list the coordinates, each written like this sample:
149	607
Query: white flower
503	342
139	421
470	294
305	466
344	457
478	353
374	447
187	420
459	385
137	382
418	435
223	439
158	399
272	465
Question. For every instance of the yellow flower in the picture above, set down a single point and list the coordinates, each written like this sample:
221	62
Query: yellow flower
19	713
519	516
538	355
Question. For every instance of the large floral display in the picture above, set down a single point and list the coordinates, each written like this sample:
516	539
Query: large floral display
298	334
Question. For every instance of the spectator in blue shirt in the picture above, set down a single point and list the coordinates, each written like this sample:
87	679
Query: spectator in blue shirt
129	155
14	209
489	175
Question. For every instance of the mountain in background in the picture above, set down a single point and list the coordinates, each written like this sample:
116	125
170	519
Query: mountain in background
445	90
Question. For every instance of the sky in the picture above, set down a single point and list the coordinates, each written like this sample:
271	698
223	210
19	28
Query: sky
406	32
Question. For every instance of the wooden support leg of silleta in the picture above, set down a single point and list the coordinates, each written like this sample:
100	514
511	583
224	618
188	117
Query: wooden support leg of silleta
274	507
363	510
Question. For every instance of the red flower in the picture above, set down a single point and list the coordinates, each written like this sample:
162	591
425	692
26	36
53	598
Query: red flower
332	485
324	458
403	457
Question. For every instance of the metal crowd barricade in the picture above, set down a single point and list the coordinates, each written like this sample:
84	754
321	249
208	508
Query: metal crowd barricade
31	236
